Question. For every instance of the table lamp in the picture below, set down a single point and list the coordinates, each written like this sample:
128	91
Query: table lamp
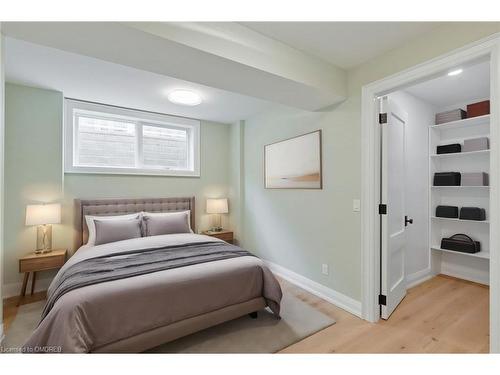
217	207
43	215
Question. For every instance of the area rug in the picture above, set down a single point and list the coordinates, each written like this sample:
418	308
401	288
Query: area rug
24	323
266	334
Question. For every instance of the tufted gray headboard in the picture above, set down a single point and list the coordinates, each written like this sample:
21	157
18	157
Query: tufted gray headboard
107	207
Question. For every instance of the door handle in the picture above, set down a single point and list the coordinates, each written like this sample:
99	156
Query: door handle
408	221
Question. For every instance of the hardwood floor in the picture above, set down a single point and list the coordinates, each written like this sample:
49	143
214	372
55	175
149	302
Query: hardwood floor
11	305
442	315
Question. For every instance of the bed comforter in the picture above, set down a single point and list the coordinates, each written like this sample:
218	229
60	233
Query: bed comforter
96	314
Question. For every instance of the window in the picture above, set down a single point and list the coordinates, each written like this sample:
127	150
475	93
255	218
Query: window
106	139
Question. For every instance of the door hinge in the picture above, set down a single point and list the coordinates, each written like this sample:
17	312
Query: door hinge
382	300
382	118
382	209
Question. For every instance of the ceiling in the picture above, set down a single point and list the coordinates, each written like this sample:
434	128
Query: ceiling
472	84
87	78
226	56
345	44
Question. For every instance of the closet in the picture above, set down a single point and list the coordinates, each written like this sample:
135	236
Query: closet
470	266
468	137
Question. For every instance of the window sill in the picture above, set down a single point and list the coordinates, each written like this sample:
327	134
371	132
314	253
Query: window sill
135	173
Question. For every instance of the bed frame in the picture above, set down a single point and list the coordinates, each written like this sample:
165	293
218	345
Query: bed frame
161	335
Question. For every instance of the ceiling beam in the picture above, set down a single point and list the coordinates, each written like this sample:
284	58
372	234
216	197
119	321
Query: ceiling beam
227	56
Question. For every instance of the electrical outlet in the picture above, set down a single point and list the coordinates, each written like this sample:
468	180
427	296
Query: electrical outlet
324	269
356	205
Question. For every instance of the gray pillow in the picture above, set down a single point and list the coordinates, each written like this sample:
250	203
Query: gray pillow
175	222
116	230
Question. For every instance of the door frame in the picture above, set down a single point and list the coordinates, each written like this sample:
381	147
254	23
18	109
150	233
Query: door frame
488	49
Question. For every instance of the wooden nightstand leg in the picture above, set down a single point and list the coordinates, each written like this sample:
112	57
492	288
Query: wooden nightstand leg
25	283
23	288
33	283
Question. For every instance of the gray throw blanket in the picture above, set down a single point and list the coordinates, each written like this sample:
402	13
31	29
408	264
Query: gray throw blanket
138	262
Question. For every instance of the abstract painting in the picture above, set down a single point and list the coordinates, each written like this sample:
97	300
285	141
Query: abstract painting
294	163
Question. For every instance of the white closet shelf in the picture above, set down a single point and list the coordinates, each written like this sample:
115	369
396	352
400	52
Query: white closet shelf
482	254
460	154
467	122
460	220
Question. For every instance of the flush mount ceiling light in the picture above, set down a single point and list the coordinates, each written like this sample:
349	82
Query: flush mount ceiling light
184	97
455	72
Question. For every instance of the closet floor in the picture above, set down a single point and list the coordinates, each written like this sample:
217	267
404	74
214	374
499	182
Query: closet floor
441	315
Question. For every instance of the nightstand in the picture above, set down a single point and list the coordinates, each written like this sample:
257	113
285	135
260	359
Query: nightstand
39	262
224	235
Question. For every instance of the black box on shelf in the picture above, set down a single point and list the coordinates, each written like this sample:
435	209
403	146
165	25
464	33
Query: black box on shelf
447	211
447	179
473	213
449	149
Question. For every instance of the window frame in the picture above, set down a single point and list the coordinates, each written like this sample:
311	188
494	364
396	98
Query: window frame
140	118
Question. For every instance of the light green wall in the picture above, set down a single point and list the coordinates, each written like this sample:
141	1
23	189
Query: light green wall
34	172
33	166
300	229
236	173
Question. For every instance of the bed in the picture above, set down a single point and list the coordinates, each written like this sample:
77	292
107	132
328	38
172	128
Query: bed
199	281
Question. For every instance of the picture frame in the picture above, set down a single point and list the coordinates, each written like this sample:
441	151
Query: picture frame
294	163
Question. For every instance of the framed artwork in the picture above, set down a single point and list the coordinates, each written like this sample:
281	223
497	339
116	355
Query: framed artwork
294	163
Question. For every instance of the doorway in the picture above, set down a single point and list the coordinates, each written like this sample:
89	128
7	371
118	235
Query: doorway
384	275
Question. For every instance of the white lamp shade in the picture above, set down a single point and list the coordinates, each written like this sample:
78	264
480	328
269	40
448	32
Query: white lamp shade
40	214
217	206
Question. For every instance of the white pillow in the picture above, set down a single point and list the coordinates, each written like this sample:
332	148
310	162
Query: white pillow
157	214
91	223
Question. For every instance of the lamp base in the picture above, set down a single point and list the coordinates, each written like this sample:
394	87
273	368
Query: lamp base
43	251
216	223
43	239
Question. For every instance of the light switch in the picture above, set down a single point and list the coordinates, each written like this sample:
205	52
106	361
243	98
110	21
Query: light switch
356	205
324	269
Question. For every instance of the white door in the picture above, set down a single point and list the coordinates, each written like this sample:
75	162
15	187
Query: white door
393	223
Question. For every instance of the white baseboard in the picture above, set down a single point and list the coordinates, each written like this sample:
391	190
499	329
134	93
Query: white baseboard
418	277
476	277
338	299
14	289
463	267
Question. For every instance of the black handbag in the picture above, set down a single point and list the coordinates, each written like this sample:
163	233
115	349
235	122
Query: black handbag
462	243
473	213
